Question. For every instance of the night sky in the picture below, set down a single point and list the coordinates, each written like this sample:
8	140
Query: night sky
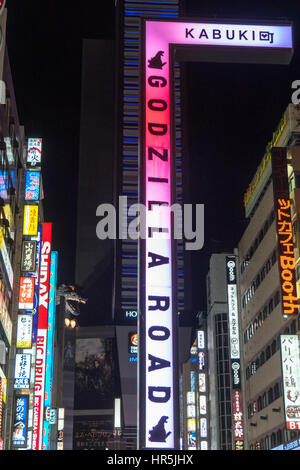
232	112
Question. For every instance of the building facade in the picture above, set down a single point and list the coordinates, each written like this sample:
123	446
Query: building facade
224	354
267	311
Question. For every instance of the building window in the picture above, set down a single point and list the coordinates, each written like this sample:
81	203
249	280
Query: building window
273	347
276	391
268	352
273	440
270	395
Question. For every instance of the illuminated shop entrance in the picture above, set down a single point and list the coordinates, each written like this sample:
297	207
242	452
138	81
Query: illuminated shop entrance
163	42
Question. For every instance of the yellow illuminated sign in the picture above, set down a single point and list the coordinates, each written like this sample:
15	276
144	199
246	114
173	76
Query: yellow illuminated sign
31	216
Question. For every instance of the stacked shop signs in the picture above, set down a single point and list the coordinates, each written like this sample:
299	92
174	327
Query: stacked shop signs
196	398
284	230
202	390
290	366
233	312
33	321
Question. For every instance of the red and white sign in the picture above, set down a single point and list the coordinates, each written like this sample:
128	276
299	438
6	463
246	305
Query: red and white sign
290	365
238	426
41	344
26	293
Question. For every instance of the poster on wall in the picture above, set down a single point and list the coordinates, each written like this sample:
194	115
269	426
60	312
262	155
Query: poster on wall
94	373
92	433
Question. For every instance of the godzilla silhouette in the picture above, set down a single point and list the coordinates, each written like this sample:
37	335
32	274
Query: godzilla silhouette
158	432
156	62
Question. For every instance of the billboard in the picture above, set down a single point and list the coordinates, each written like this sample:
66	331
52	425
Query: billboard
92	433
24	331
290	366
34	152
26	293
41	340
28	259
50	347
284	231
22	371
32	185
19	433
94	373
238	422
31	217
35	276
158	377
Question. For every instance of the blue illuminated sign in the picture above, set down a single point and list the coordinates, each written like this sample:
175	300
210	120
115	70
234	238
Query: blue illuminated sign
19	437
32	185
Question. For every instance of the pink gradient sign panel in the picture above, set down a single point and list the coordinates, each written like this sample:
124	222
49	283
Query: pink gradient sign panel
158	361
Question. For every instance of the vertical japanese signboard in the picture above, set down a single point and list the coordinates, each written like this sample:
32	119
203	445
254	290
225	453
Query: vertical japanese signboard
41	340
284	230
50	348
290	365
31	217
158	377
32	185
19	433
26	293
34	152
28	259
233	313
24	331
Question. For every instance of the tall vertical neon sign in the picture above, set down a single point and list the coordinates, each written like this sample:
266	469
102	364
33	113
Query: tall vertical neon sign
41	340
158	413
50	347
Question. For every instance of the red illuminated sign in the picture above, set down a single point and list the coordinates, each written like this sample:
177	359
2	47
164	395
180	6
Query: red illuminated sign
238	426
41	343
26	293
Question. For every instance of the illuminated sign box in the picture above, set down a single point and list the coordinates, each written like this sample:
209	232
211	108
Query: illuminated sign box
271	43
290	366
31	217
34	152
22	371
284	231
24	331
28	260
32	185
19	435
26	293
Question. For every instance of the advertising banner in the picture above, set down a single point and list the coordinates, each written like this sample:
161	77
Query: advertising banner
35	276
284	231
31	218
26	293
290	366
34	152
50	348
32	185
24	331
19	434
28	260
22	371
41	342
